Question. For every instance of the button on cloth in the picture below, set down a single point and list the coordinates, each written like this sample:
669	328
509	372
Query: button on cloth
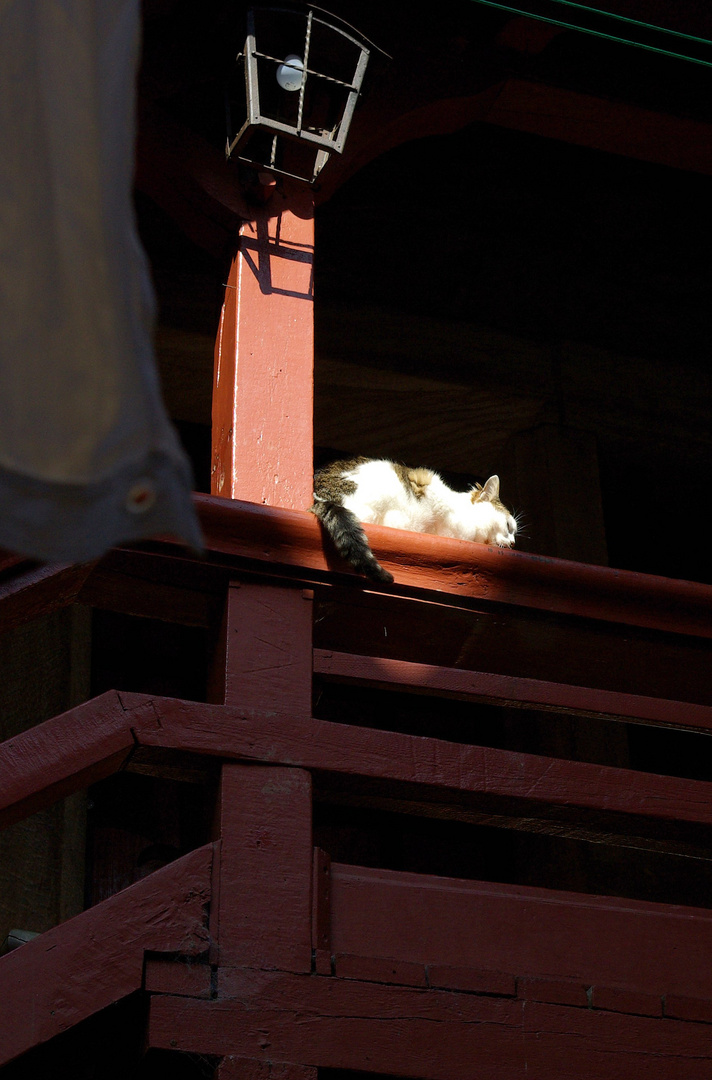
141	497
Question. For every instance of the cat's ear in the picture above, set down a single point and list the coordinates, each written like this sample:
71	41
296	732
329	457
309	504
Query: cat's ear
491	489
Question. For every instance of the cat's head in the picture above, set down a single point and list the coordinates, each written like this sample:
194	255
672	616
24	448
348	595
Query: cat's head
494	519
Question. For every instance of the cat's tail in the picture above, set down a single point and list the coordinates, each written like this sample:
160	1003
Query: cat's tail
349	539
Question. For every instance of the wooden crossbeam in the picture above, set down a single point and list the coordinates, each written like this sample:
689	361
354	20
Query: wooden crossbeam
606	941
44	764
510	691
62	755
426	1034
356	751
71	972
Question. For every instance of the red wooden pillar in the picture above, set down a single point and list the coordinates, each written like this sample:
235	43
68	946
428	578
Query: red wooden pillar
264	360
263	917
267	662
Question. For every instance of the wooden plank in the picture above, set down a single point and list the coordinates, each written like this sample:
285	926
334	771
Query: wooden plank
355	751
321	911
63	755
511	691
264	362
344	1024
593	940
614	999
68	973
456	568
687	1008
28	591
380	970
428	1034
234	1067
562	1042
472	980
44	763
265	906
169	976
557	991
268	654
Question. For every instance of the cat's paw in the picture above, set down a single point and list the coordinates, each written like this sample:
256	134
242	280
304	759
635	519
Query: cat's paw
505	532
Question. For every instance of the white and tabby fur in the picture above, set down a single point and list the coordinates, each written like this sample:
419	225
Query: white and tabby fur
385	493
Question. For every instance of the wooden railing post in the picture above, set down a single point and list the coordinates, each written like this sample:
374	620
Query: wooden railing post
263	917
264	664
264	360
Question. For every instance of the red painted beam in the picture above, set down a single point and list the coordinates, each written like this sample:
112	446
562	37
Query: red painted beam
344	1024
234	1067
28	591
427	1034
236	531
355	751
62	755
68	973
457	568
264	898
523	105
543	933
264	361
268	653
509	690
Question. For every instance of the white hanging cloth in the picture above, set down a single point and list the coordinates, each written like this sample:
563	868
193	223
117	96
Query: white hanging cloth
88	457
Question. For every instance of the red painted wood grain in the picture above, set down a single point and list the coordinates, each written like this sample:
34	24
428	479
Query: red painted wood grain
28	591
169	976
615	999
428	1034
612	1046
268	658
509	690
234	1067
344	1024
379	969
683	1007
63	755
45	763
264	363
68	973
265	901
575	939
351	750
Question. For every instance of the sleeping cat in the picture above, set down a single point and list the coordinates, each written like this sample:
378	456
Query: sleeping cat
386	493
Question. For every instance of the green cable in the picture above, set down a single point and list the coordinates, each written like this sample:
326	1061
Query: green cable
608	37
634	22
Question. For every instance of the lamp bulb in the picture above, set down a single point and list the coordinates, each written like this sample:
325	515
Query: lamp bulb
291	72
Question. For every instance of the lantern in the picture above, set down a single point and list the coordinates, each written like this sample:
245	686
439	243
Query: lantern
302	71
